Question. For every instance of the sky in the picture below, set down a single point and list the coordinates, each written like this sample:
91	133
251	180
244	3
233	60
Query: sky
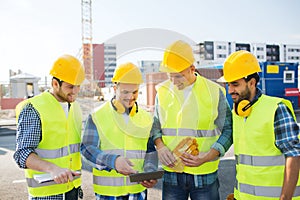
34	33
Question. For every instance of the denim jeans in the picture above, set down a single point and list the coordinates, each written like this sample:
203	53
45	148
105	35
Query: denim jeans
186	188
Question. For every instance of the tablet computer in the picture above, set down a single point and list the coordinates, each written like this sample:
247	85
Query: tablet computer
139	177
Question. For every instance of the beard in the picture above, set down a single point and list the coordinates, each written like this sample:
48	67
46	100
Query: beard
65	97
243	95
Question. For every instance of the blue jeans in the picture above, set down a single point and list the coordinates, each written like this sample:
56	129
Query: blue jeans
186	188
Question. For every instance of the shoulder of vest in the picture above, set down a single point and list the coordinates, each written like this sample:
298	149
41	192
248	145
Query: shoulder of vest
165	83
211	84
208	81
271	98
105	105
277	100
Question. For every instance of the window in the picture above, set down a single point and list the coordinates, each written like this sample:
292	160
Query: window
260	57
259	48
221	47
221	56
288	76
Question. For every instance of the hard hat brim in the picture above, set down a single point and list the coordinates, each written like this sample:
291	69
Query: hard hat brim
221	80
167	69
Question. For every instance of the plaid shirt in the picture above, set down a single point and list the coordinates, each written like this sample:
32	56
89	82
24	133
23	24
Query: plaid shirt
223	122
29	135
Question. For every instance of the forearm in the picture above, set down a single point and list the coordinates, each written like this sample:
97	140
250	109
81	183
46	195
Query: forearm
97	158
59	175
159	143
291	174
34	162
224	123
151	161
209	156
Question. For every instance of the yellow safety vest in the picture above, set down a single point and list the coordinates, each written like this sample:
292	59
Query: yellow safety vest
191	116
127	139
260	164
60	142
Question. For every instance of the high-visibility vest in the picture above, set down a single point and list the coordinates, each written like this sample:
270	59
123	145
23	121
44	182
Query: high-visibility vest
260	164
191	116
127	139
60	142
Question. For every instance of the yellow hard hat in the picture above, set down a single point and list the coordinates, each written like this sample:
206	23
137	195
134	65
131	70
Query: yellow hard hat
177	57
68	69
127	73
238	65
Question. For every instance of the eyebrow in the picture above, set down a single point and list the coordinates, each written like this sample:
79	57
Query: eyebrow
124	90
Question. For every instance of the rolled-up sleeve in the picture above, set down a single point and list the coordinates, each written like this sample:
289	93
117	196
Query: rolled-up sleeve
224	123
286	132
29	134
156	126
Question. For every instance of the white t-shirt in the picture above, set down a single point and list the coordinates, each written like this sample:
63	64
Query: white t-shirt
65	106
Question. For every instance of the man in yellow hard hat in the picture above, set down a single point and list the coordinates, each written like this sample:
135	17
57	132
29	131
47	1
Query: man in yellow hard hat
188	105
49	134
265	135
115	140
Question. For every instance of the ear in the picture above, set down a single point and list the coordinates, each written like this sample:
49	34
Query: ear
55	84
252	82
193	68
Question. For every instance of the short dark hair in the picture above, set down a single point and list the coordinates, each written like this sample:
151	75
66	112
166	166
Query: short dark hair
254	75
58	80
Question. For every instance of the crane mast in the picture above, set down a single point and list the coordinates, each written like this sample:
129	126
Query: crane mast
87	44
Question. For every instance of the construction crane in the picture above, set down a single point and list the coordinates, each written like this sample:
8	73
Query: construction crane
87	44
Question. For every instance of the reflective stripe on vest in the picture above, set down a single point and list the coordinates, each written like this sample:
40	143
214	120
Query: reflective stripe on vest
260	164
130	154
260	160
190	115
112	181
119	138
57	153
265	191
190	132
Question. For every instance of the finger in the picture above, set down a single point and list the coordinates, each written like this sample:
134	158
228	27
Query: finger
56	179
76	173
64	177
129	162
70	176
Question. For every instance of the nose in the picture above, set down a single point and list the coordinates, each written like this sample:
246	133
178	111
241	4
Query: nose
174	80
230	89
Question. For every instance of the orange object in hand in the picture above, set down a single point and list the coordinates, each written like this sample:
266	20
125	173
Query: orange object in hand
187	145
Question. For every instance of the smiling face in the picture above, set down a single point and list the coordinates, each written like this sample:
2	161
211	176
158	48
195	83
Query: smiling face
65	92
127	93
183	79
240	89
